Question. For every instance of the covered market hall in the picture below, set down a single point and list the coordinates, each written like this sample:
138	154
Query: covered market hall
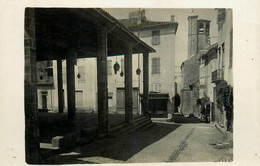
70	34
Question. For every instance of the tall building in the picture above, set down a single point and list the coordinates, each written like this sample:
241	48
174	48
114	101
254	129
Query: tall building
161	36
216	74
223	75
198	35
198	43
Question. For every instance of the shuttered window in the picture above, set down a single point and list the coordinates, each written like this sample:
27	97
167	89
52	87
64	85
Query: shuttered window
155	65
109	67
81	74
79	98
155	37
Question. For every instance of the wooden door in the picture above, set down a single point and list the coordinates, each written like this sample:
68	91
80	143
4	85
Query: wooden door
44	100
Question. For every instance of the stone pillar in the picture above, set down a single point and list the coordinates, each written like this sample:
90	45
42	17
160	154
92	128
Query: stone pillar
102	82
30	88
146	84
60	86
128	84
70	62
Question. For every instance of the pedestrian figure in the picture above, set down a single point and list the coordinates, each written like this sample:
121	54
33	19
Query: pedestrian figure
177	102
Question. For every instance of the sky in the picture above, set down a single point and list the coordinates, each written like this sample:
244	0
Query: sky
181	16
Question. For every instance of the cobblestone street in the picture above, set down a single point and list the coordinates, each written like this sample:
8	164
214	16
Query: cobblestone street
165	142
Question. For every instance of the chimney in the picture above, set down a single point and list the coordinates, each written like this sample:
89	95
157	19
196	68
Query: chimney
172	18
139	15
143	18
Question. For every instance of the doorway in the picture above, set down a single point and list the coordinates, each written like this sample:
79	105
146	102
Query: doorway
120	100
44	100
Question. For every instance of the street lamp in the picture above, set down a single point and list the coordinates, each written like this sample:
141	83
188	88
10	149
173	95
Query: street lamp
116	67
138	71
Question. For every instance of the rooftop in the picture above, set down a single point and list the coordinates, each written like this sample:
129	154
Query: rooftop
139	22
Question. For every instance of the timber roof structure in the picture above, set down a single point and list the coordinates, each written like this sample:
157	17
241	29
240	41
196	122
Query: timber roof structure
59	30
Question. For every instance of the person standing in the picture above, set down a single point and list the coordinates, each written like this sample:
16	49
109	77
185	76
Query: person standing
177	102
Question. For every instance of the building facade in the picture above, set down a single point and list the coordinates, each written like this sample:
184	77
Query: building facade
223	75
160	36
216	74
208	64
198	42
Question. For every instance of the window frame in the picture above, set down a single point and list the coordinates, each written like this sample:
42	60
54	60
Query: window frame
156	37
109	68
81	71
156	65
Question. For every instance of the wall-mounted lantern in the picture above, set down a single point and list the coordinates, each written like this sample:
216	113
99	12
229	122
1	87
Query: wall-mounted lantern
138	71
116	67
122	74
78	76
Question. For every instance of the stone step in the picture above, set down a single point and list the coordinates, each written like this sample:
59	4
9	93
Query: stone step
124	128
148	126
138	118
140	122
141	125
48	146
118	127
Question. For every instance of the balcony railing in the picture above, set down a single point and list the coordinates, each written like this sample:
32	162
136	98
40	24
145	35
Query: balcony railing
217	75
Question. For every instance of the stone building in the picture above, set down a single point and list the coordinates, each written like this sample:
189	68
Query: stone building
198	42
190	81
85	85
160	36
216	73
208	64
223	75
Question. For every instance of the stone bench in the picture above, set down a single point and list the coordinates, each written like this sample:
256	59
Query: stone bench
67	140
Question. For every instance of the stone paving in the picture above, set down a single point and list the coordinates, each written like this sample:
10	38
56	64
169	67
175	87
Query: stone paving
165	142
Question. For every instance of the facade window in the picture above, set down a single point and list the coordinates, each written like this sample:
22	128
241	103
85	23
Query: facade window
223	55
64	75
122	64
44	73
207	28
201	28
81	74
79	98
109	67
156	87
155	65
155	37
219	57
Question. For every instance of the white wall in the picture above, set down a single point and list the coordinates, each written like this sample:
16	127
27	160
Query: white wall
166	52
225	37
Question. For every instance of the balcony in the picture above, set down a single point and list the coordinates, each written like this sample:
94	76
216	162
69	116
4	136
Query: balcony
217	75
